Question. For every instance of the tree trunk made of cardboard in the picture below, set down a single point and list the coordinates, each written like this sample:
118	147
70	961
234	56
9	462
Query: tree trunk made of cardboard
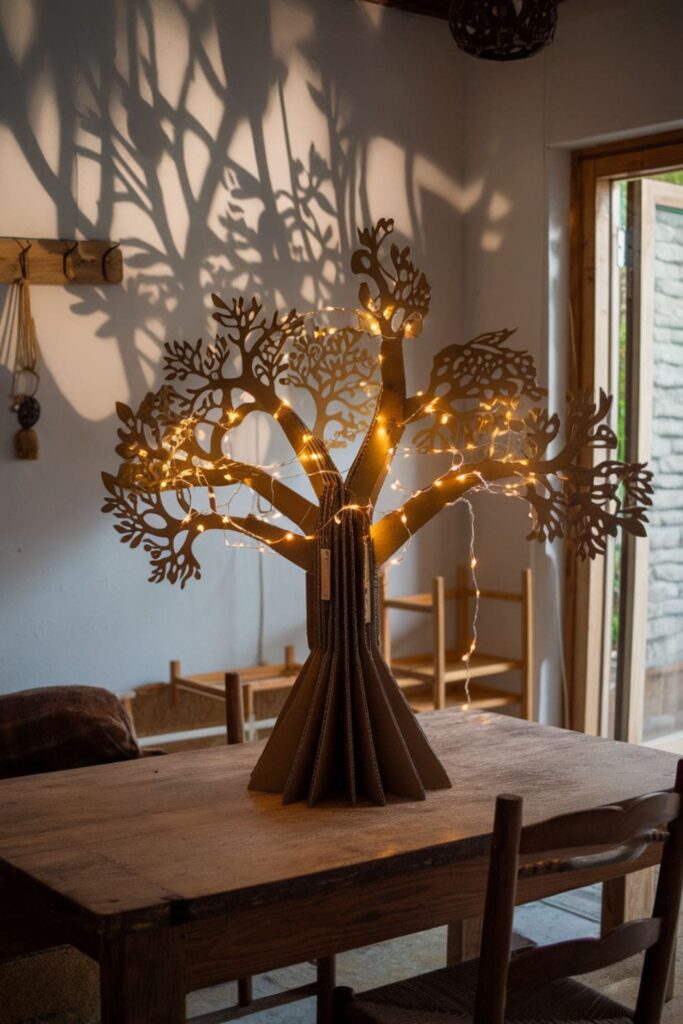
346	729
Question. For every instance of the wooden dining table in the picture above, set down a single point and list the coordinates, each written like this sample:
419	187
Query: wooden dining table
173	876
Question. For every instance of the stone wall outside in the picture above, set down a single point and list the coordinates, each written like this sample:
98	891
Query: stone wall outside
663	712
665	606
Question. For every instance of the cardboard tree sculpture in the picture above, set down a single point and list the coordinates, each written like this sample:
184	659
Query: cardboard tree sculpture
346	728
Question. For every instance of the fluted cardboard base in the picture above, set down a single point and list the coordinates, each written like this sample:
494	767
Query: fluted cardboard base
346	728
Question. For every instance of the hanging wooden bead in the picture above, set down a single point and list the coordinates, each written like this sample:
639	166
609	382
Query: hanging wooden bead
26	439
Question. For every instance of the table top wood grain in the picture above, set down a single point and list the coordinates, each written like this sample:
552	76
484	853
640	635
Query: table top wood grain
181	834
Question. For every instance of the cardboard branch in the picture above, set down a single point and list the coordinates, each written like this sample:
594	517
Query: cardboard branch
371	466
294	506
396	528
292	546
318	463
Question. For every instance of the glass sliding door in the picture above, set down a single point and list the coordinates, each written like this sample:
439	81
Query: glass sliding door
642	691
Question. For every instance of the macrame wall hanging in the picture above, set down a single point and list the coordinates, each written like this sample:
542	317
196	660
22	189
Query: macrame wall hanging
346	728
25	376
43	261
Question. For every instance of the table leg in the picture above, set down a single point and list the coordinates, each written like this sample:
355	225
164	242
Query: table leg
628	898
245	991
464	940
326	967
142	978
671	983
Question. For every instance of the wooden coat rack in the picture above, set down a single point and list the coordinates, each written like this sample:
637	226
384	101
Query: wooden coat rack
26	261
60	261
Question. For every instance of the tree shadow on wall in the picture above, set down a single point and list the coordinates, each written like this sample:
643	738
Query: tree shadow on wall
146	151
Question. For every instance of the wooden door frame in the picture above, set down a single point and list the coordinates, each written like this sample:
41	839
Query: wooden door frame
593	171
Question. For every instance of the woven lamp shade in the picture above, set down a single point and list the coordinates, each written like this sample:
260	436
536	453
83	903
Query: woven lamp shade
503	29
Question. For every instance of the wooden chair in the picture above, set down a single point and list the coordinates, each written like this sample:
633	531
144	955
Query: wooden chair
427	678
323	987
537	984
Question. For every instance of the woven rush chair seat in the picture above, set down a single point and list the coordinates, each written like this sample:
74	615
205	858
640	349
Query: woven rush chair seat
447	996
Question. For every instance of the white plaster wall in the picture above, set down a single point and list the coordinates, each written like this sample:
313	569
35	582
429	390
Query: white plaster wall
136	122
613	70
470	157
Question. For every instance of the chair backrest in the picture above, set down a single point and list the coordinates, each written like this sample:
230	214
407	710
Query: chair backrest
597	838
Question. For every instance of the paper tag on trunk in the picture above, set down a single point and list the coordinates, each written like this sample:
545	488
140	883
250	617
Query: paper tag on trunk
366	583
325	574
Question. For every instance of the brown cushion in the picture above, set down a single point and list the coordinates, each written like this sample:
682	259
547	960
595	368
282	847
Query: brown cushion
58	727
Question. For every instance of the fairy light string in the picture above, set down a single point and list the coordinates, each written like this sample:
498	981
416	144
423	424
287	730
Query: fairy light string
467	656
479	414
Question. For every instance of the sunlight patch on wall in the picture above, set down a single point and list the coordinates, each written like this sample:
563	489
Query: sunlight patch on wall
28	209
149	350
44	116
87	370
290	27
386	183
429	177
169	181
374	13
200	100
18	26
138	53
242	185
214	67
196	159
500	206
387	179
491	240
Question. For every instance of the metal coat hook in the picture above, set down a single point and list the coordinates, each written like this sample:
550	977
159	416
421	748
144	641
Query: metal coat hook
23	266
60	261
67	264
105	258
